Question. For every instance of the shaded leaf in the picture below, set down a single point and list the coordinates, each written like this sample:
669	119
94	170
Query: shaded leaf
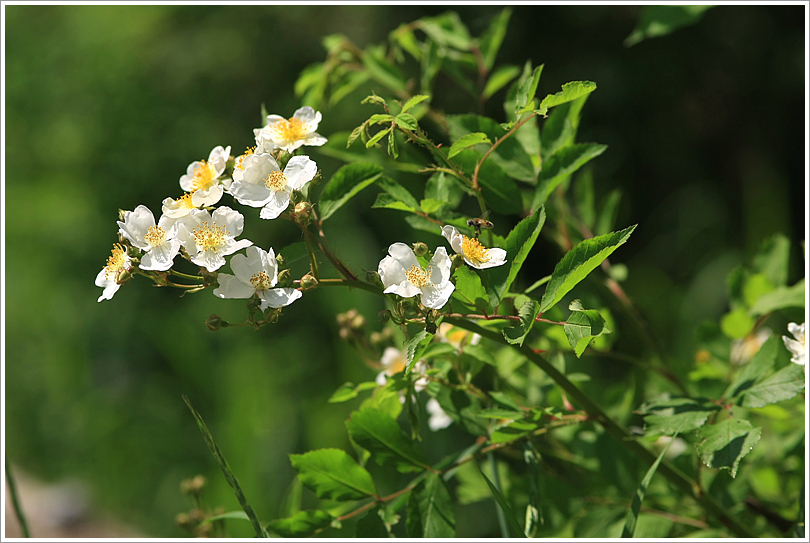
301	524
579	262
507	511
430	509
490	42
498	79
570	92
780	298
347	181
372	525
755	369
333	475
516	334
724	444
670	416
527	88
416	348
412	101
562	164
510	156
781	385
660	20
560	128
641	491
379	433
470	290
518	244
582	326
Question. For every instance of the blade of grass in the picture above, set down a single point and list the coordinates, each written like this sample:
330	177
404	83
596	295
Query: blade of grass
226	470
632	513
12	489
503	506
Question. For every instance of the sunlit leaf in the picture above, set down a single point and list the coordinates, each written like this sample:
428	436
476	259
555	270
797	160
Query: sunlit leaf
516	334
561	165
301	524
498	79
466	141
638	497
670	416
519	243
583	326
347	181
570	92
781	385
724	444
333	475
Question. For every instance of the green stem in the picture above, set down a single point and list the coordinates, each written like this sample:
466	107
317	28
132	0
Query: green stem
351	283
675	476
313	260
185	275
12	489
496	480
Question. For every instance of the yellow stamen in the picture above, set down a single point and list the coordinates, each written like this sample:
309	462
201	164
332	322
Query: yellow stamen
117	261
204	176
474	251
261	281
238	164
290	130
209	237
275	180
185	201
418	276
155	236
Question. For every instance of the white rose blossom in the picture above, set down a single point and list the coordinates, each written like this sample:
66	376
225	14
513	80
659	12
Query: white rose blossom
107	278
179	208
402	274
475	254
394	361
256	273
290	134
202	178
158	241
438	419
261	182
209	237
796	346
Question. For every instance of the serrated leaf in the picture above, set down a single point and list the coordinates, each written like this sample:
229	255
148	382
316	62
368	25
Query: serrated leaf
516	334
399	192
413	100
407	121
527	89
470	290
387	398
333	475
430	205
498	79
379	433
386	201
582	326
755	369
780	298
781	385
416	348
510	156
570	92
504	505
518	244
301	524
372	526
675	415
430	509
724	444
466	141
377	137
347	181
579	262
380	118
562	164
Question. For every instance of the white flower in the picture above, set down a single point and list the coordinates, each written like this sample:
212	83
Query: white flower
455	336
796	346
290	134
179	208
158	241
202	178
256	273
210	237
107	278
263	184
743	349
438	418
394	361
401	274
475	254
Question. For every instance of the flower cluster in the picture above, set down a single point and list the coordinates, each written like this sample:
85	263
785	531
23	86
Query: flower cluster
203	234
796	344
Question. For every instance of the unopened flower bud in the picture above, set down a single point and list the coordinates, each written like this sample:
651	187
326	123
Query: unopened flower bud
430	327
281	261
215	322
317	179
284	279
123	276
308	282
121	213
384	315
420	248
374	278
302	213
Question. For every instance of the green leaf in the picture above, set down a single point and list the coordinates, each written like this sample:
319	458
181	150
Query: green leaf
560	129
447	29
670	416
333	475
660	20
429	205
641	491
416	348
736	324
510	156
412	101
490	42
579	262
498	413
371	526
772	259
380	118
756	285
430	509
377	137
407	121
383	71
226	469
445	188
507	511
609	210
347	181
755	369
516	334
301	524
498	79
392	145
782	385
527	87
399	193
561	165
724	444
519	243
470	290
466	141
230	515
347	83
386	201
570	92
780	298
379	433
582	326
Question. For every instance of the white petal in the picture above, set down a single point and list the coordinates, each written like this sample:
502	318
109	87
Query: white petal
435	296
136	224
250	194
232	220
406	289
276	205
232	287
403	254
496	258
308	115
299	171
231	246
161	258
314	140
210	260
278	297
207	197
440	266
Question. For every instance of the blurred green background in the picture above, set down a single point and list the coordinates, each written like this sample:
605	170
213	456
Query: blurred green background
107	105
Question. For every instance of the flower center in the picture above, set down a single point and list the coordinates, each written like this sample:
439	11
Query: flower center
184	202
474	250
418	276
238	164
209	237
155	236
117	261
261	281
204	176
275	180
291	130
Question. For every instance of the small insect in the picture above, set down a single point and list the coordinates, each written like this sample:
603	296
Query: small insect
479	223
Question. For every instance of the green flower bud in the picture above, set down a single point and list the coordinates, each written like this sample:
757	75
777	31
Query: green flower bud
284	279
431	328
302	213
215	322
384	315
420	248
374	278
308	282
281	261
